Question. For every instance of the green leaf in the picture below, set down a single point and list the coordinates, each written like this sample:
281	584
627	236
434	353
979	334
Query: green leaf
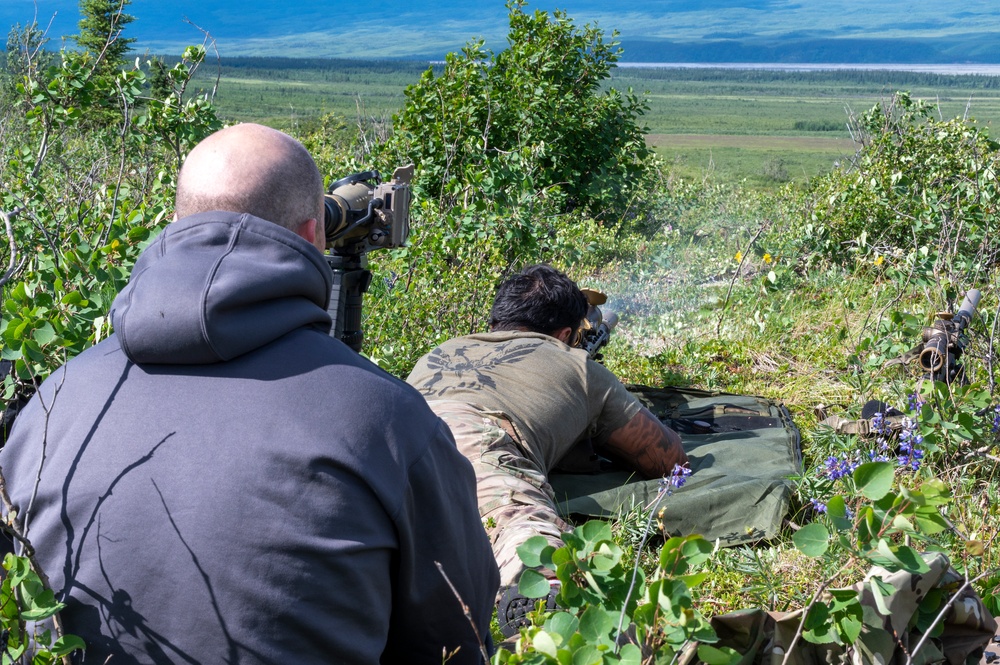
694	580
936	492
836	509
899	558
595	531
10	353
40	605
533	585
697	550
843	598
850	629
588	655
530	551
66	645
913	496
561	556
606	557
874	479
901	523
72	298
32	351
45	334
562	623
880	591
818	627
911	560
544	643
812	539
712	656
929	521
596	624
630	654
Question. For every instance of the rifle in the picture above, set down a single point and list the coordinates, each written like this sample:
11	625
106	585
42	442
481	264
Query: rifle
597	329
945	340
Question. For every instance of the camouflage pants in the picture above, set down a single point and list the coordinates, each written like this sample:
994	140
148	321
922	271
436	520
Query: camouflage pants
515	499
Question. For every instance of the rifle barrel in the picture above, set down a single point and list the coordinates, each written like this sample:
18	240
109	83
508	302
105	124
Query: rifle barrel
968	308
611	320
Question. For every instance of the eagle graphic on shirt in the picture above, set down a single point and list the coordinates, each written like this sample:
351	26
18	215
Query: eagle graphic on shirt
473	369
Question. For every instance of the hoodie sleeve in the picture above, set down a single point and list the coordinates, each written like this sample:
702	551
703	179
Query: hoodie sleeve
438	522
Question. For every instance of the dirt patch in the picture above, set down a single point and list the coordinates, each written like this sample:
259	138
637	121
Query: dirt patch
789	143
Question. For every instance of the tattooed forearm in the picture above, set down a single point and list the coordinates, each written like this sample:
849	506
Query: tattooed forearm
647	445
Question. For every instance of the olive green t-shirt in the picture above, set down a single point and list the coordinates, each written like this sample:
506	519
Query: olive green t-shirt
553	393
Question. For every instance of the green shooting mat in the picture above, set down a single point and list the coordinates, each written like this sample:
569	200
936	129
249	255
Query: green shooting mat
742	450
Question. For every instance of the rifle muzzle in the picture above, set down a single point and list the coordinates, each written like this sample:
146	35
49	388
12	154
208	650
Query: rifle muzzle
610	319
935	352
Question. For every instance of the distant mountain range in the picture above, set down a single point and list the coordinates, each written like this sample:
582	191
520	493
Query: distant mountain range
790	31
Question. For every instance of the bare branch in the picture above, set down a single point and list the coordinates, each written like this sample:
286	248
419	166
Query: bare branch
944	610
13	265
743	258
805	613
208	40
465	611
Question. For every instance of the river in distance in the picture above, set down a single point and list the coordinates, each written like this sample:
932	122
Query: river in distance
983	70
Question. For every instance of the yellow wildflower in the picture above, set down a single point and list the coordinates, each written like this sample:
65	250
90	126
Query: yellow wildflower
767	258
739	256
879	260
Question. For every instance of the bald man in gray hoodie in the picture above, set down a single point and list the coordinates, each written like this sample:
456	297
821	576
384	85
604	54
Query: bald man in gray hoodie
221	481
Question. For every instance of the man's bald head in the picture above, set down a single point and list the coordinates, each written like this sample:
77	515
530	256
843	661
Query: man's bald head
252	169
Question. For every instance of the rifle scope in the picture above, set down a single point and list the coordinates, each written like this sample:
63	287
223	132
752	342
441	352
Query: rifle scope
943	334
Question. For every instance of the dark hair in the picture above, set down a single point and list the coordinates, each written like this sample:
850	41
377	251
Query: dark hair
539	299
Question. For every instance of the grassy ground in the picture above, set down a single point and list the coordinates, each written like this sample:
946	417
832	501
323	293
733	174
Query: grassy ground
759	160
694	314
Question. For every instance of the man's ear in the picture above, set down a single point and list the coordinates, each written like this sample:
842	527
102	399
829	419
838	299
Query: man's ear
308	230
563	334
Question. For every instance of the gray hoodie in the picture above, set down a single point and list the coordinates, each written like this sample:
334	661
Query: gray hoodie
223	482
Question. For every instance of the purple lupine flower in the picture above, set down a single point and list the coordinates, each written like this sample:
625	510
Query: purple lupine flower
818	505
838	468
912	459
996	419
677	479
915	403
909	440
878	423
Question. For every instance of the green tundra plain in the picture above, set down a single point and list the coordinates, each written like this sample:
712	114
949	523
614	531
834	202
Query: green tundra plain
764	127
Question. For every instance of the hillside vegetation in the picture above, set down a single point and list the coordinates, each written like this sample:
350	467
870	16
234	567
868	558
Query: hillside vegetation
803	293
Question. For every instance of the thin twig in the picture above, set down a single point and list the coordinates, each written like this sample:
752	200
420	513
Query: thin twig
16	522
127	114
739	269
805	613
465	611
989	355
635	570
944	610
13	265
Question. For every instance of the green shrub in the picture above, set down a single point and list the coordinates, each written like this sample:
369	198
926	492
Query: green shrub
917	185
530	119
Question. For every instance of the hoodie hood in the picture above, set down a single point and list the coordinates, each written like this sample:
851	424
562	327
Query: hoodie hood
216	285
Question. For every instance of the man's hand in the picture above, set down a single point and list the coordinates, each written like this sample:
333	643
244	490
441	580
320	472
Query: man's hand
648	445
